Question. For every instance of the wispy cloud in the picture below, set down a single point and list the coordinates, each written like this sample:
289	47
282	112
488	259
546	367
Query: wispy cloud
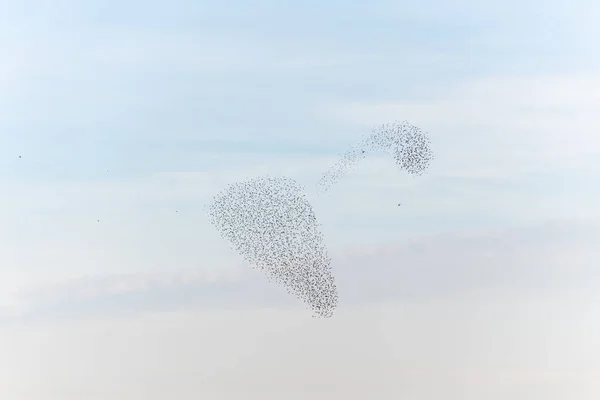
556	114
559	256
72	228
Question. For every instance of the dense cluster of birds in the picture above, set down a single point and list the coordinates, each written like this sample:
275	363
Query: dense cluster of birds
408	144
272	225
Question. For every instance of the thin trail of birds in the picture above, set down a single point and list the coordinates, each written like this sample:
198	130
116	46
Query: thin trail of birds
272	225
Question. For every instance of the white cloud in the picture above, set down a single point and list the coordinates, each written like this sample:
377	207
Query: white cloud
158	223
519	121
556	257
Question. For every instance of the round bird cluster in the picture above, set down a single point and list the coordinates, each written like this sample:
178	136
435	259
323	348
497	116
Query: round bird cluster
407	143
409	146
272	225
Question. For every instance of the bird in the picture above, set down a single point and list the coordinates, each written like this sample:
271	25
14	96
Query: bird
20	157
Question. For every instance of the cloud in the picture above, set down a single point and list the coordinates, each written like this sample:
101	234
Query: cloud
55	235
495	314
538	258
558	256
519	120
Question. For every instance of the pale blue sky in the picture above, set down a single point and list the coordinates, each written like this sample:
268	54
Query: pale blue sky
150	86
128	111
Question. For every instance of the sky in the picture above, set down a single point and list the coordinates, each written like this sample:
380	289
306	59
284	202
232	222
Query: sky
120	120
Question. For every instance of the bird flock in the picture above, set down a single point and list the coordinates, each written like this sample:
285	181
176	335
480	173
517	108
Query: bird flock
408	144
271	224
